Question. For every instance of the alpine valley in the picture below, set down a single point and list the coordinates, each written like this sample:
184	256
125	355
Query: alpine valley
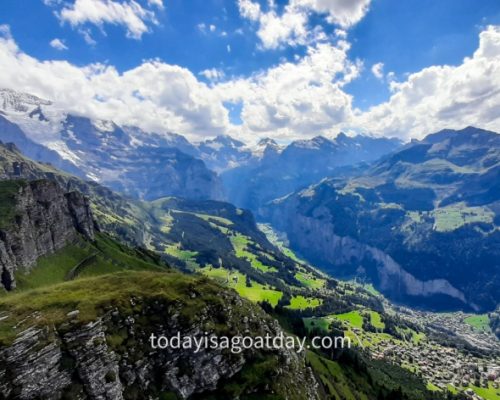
110	233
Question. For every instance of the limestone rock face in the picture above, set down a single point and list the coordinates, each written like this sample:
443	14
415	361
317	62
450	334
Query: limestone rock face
45	220
315	235
33	367
112	358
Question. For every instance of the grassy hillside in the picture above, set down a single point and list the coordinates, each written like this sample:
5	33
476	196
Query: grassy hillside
83	259
216	240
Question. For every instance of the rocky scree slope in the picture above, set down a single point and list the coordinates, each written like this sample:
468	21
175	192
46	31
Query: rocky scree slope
37	218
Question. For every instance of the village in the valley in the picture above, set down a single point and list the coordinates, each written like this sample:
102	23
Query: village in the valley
470	364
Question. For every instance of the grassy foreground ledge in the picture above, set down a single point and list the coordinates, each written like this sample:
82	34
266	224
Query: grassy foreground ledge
50	305
116	315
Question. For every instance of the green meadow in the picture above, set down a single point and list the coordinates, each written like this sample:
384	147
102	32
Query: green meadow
236	280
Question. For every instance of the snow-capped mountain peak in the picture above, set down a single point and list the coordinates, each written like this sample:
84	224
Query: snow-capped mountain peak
267	142
104	125
266	147
39	118
12	101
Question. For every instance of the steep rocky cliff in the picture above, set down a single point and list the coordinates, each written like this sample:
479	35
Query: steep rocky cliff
315	237
99	347
423	222
37	218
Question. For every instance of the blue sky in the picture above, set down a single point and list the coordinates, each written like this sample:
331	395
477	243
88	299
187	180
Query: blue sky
409	35
402	37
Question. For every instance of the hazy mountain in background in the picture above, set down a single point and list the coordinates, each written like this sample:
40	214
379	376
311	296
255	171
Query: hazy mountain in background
223	152
279	171
145	166
422	223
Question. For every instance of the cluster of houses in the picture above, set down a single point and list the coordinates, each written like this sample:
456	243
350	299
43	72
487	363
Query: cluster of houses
446	368
441	366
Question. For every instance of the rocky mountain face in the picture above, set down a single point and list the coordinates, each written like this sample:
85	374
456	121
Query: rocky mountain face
279	171
223	153
121	216
38	218
422	223
144	166
144	171
100	348
11	133
267	150
187	233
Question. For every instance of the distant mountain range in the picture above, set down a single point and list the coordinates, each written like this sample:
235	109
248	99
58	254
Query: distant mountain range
422	223
147	165
122	158
281	170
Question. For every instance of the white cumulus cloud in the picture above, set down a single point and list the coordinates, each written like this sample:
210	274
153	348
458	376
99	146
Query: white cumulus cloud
129	14
378	70
213	74
344	13
154	96
444	96
291	27
293	99
157	3
58	44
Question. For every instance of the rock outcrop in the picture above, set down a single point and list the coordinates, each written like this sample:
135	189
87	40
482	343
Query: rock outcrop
315	237
43	219
111	356
320	238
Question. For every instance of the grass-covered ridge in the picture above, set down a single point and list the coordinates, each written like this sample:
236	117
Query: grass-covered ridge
83	259
92	295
